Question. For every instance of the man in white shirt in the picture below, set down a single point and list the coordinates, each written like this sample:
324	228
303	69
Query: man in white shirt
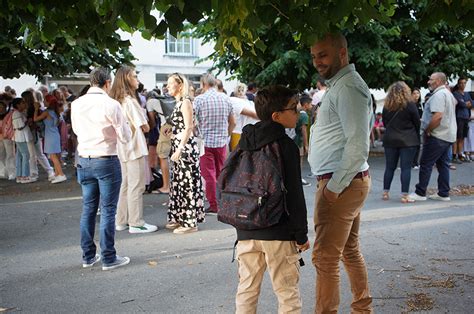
98	122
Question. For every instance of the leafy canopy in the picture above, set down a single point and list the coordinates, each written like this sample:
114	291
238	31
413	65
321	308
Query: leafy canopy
67	36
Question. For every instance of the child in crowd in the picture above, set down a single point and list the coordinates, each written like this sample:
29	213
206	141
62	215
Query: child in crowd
301	130
22	137
276	247
379	128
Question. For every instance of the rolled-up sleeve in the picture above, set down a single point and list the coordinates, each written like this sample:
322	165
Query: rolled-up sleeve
354	105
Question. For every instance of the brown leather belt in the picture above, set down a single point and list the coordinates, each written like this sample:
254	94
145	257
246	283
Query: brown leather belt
359	175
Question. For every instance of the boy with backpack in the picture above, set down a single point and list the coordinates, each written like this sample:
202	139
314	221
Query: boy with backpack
260	193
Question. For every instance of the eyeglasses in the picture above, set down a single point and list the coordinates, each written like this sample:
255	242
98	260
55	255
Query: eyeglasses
294	109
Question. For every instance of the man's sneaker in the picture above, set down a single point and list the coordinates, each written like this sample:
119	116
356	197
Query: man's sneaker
59	179
146	228
87	264
120	227
210	211
305	183
415	197
436	197
119	261
183	230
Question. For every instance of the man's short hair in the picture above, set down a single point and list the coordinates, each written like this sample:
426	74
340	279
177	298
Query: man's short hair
99	76
208	79
440	76
272	99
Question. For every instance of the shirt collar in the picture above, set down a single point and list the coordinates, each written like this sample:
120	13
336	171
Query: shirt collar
96	90
439	88
347	69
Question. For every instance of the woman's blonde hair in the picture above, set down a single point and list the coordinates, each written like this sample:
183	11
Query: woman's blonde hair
239	90
121	86
398	96
183	82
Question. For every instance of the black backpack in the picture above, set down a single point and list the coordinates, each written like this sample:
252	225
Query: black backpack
156	181
167	105
251	190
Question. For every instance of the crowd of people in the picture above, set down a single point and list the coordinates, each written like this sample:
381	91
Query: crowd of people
122	138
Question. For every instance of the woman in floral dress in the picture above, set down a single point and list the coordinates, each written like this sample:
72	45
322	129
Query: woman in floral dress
186	205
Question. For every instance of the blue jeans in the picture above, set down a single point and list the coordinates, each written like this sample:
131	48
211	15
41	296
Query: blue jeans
100	180
392	154
435	151
22	159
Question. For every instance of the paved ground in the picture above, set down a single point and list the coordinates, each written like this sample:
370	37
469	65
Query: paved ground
419	256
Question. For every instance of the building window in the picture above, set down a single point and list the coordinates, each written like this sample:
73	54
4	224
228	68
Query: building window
180	46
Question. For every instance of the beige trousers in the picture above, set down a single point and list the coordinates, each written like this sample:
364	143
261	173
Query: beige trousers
281	258
337	237
130	203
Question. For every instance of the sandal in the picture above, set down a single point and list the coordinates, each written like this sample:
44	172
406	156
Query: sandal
406	199
385	196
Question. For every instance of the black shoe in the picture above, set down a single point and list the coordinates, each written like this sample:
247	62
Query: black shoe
211	211
456	161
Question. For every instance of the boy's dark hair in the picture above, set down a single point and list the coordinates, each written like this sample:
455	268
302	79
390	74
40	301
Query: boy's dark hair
305	99
272	99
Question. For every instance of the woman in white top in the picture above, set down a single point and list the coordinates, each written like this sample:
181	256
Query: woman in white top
131	155
22	137
244	113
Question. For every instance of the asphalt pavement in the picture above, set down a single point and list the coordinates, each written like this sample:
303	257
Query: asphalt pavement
420	256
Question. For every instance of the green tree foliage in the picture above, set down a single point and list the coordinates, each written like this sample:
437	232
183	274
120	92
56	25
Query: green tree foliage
70	36
383	50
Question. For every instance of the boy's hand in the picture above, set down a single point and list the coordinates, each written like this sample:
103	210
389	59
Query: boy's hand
303	247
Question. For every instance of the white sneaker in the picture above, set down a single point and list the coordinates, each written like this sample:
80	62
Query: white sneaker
121	227
11	177
51	176
59	179
146	228
33	178
436	197
415	197
26	180
305	183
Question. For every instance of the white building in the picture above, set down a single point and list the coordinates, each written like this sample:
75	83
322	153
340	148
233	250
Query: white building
155	60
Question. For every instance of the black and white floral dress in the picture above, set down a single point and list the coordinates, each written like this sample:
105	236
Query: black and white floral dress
186	205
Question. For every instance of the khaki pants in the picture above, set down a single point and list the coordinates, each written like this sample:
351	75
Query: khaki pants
130	203
281	258
337	237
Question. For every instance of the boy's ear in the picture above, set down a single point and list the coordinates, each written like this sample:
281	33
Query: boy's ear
276	117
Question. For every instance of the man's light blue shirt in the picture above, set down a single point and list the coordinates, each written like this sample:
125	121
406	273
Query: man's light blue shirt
339	140
441	101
